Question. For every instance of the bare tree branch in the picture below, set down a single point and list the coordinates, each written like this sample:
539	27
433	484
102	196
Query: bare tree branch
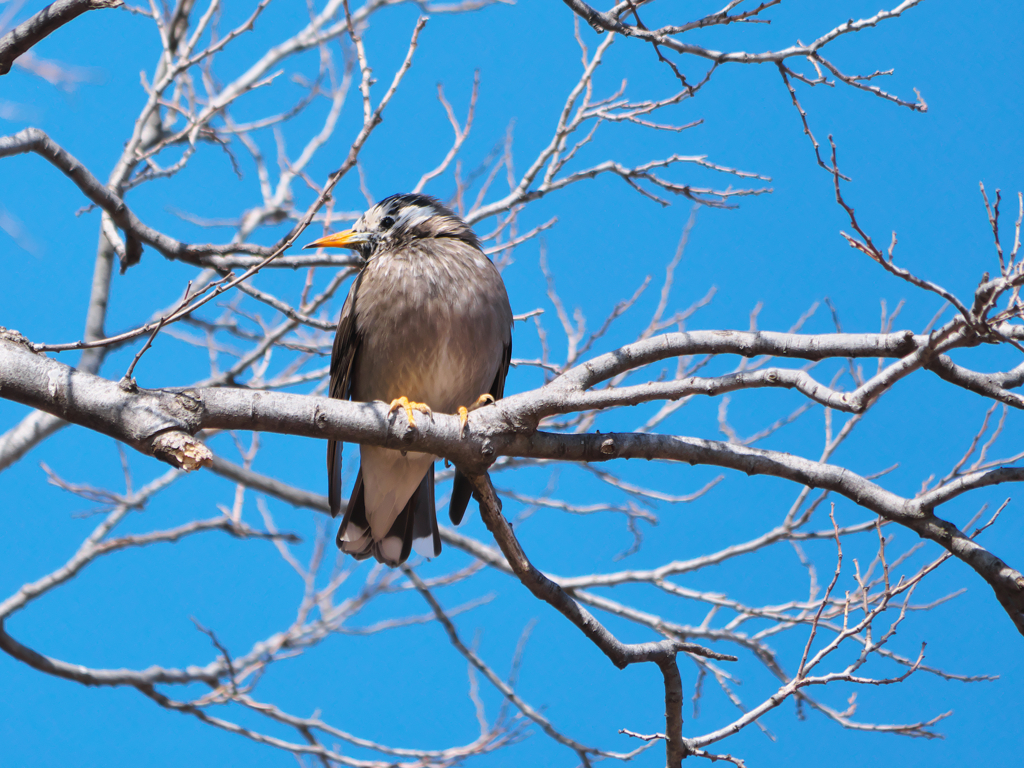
49	20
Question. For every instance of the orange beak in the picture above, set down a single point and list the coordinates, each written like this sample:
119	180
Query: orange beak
347	239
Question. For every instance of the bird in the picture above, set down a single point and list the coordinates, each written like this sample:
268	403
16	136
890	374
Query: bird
426	326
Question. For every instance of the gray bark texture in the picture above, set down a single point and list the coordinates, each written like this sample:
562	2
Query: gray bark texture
164	424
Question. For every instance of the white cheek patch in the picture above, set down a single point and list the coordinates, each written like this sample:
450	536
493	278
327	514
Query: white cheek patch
412	216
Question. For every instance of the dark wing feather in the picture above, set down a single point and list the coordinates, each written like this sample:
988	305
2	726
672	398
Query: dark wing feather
425	518
355	514
343	357
462	489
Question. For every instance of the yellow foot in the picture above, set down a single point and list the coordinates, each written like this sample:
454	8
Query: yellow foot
464	411
409	406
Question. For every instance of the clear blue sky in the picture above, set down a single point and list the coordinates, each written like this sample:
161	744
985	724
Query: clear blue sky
912	173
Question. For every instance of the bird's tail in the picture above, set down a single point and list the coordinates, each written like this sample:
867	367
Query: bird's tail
416	525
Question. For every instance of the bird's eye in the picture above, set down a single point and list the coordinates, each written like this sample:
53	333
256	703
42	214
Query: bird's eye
387	222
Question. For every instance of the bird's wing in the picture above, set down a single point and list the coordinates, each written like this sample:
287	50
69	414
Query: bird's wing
462	489
343	357
498	387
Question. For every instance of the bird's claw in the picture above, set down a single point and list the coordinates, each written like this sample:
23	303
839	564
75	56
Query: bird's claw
464	411
409	406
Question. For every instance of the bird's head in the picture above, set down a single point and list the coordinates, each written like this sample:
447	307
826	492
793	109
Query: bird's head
396	221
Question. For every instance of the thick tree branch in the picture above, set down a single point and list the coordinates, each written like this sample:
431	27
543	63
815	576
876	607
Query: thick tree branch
49	20
162	423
